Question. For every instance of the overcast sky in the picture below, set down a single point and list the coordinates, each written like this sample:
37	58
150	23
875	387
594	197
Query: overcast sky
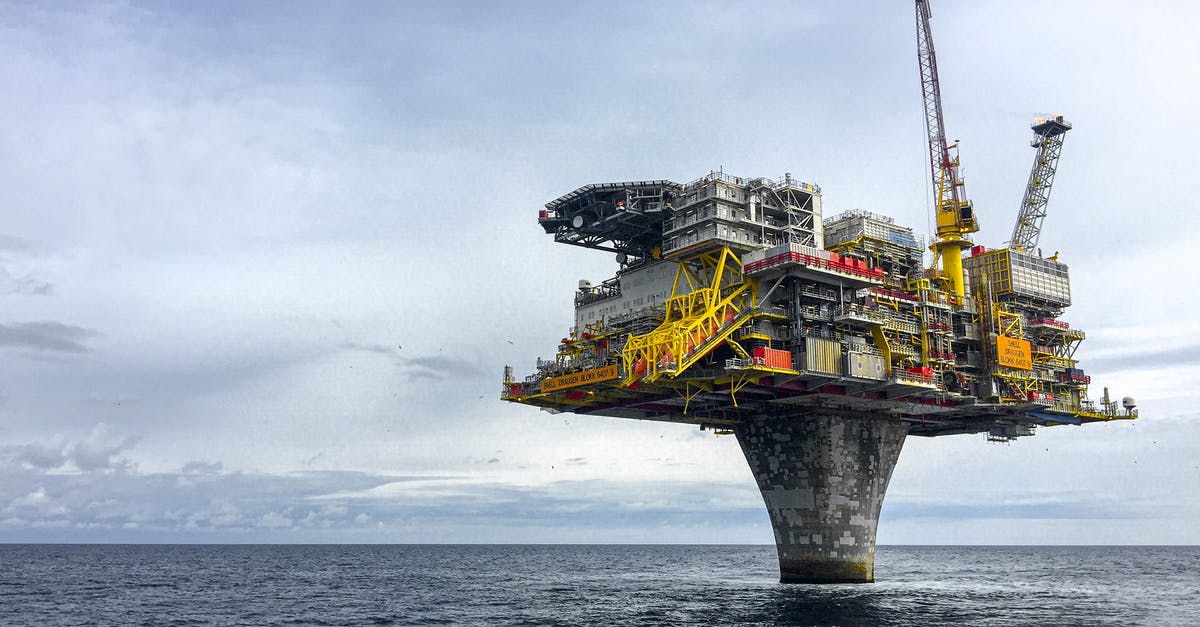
262	264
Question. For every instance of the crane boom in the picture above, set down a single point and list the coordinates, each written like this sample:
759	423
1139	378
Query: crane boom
1049	136
941	166
955	215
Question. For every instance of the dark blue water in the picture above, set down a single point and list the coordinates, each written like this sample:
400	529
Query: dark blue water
587	585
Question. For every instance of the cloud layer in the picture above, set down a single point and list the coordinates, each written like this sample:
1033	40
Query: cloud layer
45	336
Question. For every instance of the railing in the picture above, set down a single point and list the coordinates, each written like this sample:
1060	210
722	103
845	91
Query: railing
759	329
933	297
596	294
786	181
693	216
715	176
823	293
855	310
814	312
854	213
1050	322
740	216
817	262
905	376
886	293
902	325
710	233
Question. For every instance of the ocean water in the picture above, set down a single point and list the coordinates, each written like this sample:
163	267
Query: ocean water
587	585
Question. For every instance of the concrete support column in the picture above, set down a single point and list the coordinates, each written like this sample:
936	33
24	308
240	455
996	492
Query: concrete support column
823	476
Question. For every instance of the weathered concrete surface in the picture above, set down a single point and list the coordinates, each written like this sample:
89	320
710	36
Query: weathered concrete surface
823	477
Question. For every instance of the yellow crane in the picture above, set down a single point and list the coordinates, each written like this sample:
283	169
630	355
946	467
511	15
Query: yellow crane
955	214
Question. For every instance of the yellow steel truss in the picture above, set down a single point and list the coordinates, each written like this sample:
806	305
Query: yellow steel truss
1007	322
710	299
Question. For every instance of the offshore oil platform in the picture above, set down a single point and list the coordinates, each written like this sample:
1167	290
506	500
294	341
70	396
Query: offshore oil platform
820	343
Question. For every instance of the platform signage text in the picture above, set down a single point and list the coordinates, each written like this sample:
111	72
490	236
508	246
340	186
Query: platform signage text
584	377
1013	353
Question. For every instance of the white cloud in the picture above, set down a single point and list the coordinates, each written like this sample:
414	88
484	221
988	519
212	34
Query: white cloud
275	520
99	451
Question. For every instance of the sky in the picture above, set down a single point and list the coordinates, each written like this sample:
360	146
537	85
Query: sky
262	264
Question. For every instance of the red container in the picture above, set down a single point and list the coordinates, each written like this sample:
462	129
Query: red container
925	372
775	358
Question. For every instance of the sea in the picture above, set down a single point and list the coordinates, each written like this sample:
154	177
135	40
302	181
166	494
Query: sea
93	584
